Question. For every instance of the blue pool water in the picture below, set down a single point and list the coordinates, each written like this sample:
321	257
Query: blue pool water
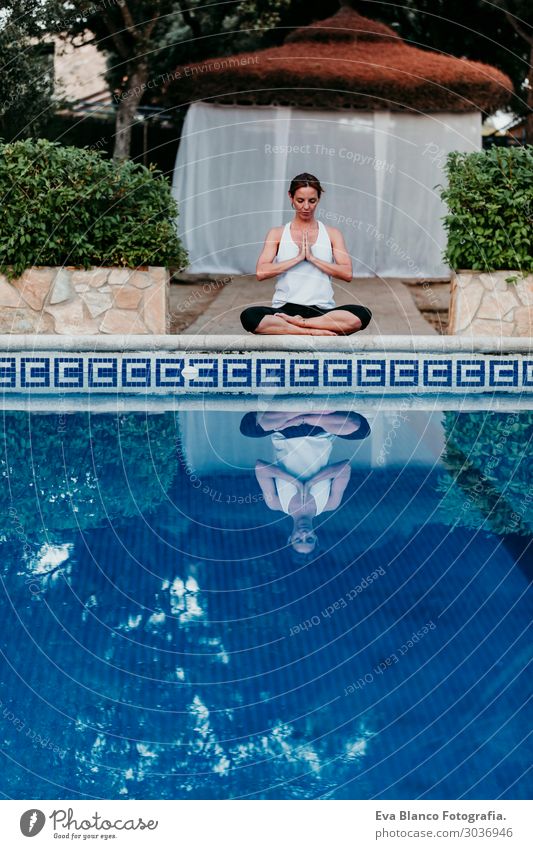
170	631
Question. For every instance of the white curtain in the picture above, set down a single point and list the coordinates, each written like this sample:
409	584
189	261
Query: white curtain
211	442
380	171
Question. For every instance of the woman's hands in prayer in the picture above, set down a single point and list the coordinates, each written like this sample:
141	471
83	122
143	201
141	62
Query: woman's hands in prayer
305	249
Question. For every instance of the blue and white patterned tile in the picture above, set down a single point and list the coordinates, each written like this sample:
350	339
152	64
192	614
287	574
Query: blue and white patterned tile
262	373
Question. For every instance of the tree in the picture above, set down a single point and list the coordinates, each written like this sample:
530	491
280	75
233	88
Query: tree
520	15
25	72
498	32
146	39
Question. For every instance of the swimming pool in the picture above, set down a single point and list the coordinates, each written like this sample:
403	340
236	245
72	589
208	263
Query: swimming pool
164	638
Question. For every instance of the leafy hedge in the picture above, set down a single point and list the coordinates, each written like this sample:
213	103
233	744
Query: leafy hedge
489	473
72	206
490	203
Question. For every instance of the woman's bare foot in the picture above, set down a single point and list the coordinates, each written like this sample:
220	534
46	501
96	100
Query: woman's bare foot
341	322
278	325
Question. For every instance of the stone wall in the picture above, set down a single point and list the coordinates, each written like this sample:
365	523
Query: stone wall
488	304
77	302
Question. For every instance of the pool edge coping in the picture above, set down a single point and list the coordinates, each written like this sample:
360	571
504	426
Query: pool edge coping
232	343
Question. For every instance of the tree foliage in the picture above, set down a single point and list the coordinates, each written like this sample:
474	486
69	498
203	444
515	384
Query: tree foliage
146	40
26	83
143	40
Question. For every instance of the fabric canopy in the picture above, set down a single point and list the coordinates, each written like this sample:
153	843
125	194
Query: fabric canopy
212	443
380	170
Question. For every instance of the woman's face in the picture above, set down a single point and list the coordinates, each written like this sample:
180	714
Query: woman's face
305	201
303	540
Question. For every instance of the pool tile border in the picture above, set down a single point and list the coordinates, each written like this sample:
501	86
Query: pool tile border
263	372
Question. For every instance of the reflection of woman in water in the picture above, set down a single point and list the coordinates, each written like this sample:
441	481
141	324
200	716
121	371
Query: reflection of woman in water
301	482
304	255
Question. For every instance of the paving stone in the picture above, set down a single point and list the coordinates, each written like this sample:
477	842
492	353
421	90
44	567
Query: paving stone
97	302
467	301
488	327
122	321
92	277
155	309
494	281
431	296
25	321
524	289
128	298
141	279
62	289
524	321
497	304
69	318
34	285
9	294
464	279
119	276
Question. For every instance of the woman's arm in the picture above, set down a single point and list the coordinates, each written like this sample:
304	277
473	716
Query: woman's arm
268	486
271	470
266	474
340	474
334	471
342	267
338	486
274	421
266	267
340	424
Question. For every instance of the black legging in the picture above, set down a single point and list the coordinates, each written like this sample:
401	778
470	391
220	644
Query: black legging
249	427
251	316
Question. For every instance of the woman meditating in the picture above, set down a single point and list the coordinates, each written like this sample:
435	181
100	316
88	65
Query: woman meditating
304	255
301	482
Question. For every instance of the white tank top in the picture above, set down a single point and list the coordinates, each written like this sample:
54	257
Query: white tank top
304	283
303	457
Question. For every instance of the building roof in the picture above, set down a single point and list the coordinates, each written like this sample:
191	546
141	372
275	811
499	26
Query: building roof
344	62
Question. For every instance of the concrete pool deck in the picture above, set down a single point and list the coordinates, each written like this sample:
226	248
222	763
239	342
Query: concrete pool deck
227	343
218	306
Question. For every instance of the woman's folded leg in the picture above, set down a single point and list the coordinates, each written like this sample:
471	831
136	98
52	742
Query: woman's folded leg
252	316
269	320
362	313
342	321
265	320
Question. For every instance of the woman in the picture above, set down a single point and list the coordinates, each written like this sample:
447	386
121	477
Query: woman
301	482
304	255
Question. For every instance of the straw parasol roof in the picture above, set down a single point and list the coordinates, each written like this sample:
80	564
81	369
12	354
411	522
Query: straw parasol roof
344	62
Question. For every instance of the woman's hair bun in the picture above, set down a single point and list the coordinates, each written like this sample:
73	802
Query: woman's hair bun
305	180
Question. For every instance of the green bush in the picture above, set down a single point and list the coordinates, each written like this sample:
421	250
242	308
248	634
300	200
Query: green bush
490	203
72	206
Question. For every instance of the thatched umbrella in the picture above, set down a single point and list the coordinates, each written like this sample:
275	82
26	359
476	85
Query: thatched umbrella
344	62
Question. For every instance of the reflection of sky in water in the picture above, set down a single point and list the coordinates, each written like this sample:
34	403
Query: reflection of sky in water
160	641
